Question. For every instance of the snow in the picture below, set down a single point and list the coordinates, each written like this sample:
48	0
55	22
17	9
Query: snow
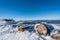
26	35
9	33
55	26
2	22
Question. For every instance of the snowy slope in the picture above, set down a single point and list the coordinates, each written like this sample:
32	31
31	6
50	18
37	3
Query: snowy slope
12	34
9	33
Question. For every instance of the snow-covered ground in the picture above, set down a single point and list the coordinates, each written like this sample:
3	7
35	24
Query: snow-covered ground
21	36
9	33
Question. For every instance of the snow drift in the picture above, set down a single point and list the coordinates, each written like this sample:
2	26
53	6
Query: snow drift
7	32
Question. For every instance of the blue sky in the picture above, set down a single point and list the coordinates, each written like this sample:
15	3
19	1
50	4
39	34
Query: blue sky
30	9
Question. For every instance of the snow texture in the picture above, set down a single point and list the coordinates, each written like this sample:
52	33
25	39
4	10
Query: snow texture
9	33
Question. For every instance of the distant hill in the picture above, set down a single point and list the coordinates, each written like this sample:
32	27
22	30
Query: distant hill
38	21
31	21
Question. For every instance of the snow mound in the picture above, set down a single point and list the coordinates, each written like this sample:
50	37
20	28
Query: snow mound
9	33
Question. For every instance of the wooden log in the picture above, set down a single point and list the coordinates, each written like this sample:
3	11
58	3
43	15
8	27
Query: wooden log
57	37
20	29
41	29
